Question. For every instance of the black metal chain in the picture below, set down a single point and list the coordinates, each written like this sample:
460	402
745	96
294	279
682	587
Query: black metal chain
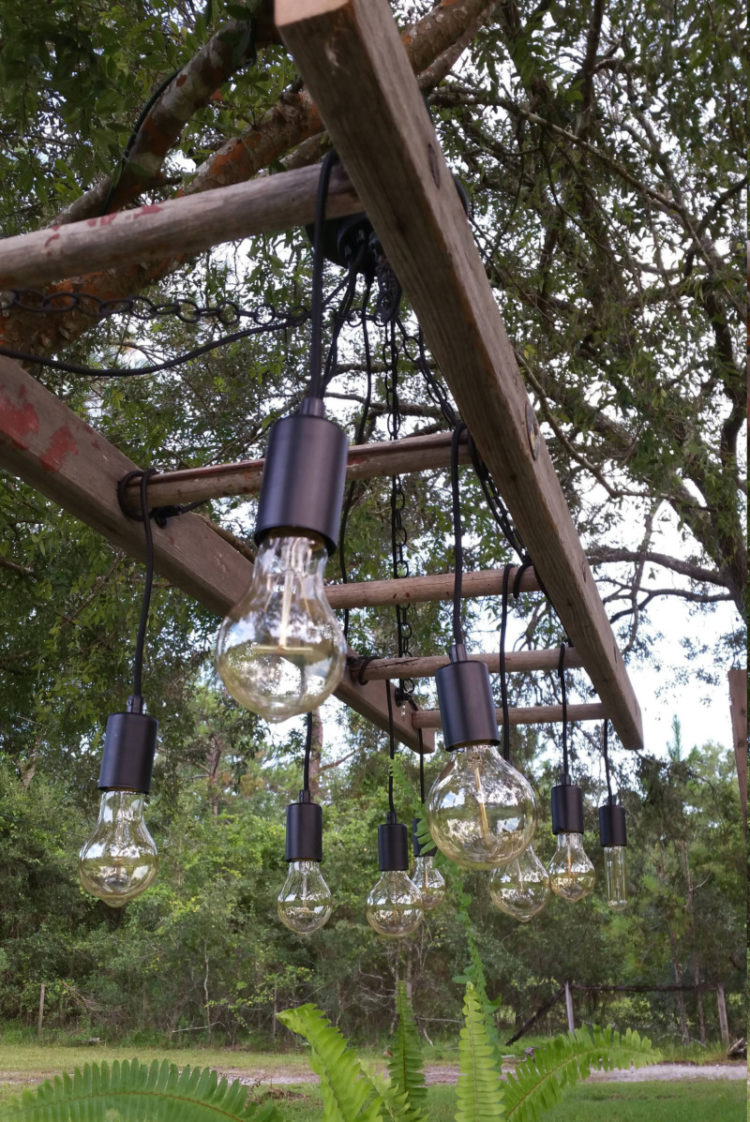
399	561
414	349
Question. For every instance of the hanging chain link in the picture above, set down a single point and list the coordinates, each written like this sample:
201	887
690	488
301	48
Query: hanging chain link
400	564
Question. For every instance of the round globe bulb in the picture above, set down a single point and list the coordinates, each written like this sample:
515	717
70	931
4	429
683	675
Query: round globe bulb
119	860
394	905
429	881
520	888
571	874
481	811
281	651
305	903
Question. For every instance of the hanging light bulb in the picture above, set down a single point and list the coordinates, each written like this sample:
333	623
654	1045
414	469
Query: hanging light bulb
613	839
481	811
520	888
281	651
571	873
394	904
428	879
305	903
119	860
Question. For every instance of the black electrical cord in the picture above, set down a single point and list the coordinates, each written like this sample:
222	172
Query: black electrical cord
146	602
561	675
391	748
421	766
502	667
605	753
308	751
458	554
316	335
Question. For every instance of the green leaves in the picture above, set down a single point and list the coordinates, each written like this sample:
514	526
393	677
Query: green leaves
405	1064
132	1092
540	1082
479	1096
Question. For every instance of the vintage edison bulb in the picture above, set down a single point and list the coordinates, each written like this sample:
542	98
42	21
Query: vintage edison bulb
571	874
281	651
429	881
520	888
119	860
615	873
305	903
481	811
394	905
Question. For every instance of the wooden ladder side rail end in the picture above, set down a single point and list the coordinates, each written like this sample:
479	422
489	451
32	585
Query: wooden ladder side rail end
516	662
350	55
53	450
423	590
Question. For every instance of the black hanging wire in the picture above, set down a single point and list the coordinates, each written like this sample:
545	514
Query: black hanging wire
458	553
605	753
502	666
317	387
146	602
561	676
391	748
308	752
420	742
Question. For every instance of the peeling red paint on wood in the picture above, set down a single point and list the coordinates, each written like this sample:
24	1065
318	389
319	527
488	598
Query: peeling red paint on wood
61	443
17	421
53	238
150	208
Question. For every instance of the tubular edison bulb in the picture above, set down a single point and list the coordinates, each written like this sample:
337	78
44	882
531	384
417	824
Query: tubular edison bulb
305	903
394	905
281	651
571	874
520	888
119	861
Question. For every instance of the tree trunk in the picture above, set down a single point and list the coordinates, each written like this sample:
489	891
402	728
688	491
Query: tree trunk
569	1008
316	747
723	1022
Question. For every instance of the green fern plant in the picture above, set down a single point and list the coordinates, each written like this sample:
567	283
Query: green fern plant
479	1092
132	1092
405	1063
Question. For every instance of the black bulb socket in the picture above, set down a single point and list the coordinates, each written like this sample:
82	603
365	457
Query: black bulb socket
304	830
417	848
612	825
467	709
129	747
302	489
567	808
393	846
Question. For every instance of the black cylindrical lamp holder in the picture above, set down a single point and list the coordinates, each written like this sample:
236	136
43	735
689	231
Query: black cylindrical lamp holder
304	475
567	808
304	830
417	848
612	825
129	747
393	846
467	708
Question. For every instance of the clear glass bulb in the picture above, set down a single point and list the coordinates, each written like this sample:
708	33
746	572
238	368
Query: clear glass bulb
305	903
119	860
571	874
429	881
281	651
520	888
615	873
394	905
481	811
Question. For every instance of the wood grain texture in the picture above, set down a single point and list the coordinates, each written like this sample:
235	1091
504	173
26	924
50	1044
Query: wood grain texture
49	447
352	60
738	704
516	662
531	715
422	590
178	227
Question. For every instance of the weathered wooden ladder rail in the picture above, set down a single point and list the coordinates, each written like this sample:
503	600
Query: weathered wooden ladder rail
351	58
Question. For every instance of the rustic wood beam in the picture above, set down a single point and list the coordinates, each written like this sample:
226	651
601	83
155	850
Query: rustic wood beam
516	662
178	227
366	461
53	450
351	58
422	590
531	715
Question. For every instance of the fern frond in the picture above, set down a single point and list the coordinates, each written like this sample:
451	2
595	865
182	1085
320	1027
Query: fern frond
349	1094
540	1082
479	1095
407	1087
131	1091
